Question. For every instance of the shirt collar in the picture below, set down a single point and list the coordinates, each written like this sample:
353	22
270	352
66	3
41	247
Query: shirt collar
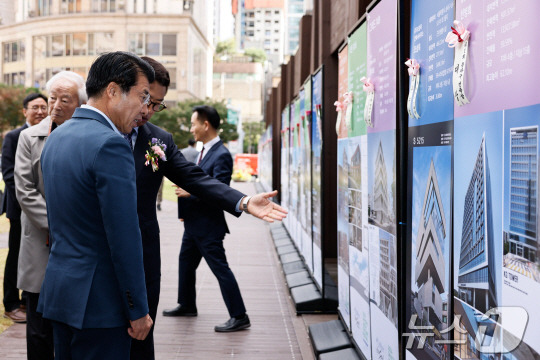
86	106
207	146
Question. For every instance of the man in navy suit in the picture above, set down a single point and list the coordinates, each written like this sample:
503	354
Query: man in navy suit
94	289
205	228
185	174
34	110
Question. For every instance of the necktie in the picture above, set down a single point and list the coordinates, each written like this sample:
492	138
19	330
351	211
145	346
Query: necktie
200	156
128	139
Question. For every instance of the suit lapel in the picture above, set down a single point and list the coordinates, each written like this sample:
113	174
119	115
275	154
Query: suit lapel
210	153
141	145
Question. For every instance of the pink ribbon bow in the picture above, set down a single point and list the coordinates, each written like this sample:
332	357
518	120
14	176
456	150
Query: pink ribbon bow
458	34
368	86
414	67
339	105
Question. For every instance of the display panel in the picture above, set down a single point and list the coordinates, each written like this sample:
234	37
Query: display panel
285	144
265	159
305	217
358	194
294	173
381	150
316	180
343	195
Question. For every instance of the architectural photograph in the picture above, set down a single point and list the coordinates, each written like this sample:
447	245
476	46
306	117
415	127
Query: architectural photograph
431	229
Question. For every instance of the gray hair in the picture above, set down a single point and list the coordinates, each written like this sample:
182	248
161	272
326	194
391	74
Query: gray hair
74	78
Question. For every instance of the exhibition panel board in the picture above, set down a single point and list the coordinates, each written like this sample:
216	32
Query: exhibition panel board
265	159
285	158
429	169
316	175
343	192
305	176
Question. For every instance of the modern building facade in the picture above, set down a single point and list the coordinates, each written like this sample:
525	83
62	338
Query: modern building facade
476	277
523	211
260	24
388	276
380	209
295	10
52	35
430	266
240	85
223	21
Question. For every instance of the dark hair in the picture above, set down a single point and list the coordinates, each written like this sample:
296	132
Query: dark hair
205	112
119	67
191	142
32	97
162	75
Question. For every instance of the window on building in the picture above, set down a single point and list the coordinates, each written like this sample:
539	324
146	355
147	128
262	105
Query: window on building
104	5
16	78
152	44
268	33
172	76
268	13
44	7
70	6
13	51
79	44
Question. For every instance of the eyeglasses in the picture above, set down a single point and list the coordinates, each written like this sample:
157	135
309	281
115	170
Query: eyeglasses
156	107
37	108
146	99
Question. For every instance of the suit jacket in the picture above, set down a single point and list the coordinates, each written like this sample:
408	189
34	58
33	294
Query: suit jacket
181	172
9	203
204	218
34	252
95	275
191	154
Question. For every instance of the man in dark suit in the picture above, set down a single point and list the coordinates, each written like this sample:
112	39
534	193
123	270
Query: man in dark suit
94	290
34	110
185	174
205	228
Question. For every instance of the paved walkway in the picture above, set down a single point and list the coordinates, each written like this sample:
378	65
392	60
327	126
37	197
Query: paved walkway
276	332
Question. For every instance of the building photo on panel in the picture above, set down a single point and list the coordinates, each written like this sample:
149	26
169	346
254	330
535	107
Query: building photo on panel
430	277
382	180
520	238
478	181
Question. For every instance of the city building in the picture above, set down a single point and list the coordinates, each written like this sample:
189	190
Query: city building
355	198
476	282
380	210
260	24
295	10
48	36
523	211
223	21
429	270
388	277
241	86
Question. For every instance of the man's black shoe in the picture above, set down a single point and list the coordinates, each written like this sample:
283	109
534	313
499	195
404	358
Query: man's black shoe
234	325
180	311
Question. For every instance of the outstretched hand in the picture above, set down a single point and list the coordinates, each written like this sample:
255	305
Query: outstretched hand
260	206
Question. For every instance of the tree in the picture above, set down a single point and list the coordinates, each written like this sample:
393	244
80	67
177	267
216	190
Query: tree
177	120
225	48
252	131
257	55
11	104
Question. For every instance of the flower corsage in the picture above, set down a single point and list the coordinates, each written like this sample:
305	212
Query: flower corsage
155	153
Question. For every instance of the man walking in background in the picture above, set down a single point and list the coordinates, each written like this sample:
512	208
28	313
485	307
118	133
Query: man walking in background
34	110
190	152
66	92
205	228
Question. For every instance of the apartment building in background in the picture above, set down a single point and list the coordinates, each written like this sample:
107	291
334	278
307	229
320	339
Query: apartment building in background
47	36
